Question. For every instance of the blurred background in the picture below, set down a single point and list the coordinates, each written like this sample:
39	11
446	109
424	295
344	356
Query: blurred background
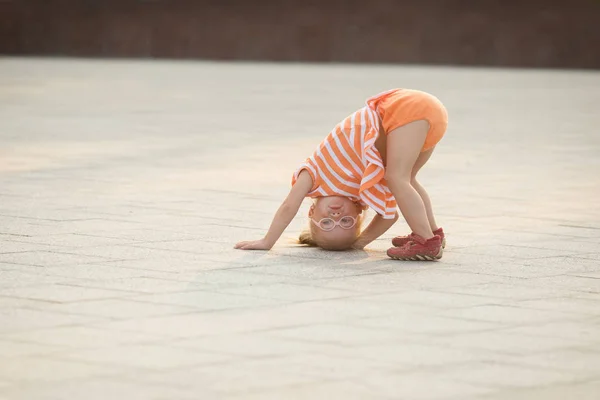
533	33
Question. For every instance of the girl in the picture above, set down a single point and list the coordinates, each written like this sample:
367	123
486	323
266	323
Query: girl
370	159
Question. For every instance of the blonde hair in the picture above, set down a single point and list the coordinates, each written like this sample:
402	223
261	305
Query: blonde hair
307	238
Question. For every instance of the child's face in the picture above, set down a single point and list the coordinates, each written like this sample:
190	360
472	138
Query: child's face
335	208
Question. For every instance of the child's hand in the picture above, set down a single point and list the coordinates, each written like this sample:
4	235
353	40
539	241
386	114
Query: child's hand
261	244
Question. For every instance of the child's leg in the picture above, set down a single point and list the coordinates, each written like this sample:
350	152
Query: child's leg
427	202
422	160
404	146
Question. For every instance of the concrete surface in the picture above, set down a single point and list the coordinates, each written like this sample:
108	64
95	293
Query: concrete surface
124	185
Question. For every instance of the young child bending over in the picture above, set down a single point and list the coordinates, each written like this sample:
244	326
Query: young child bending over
370	159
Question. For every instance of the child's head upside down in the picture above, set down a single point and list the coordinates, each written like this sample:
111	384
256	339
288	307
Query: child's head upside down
335	223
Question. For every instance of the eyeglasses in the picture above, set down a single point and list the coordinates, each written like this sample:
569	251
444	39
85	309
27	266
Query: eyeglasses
328	224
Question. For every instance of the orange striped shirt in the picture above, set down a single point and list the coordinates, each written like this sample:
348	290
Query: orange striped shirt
347	163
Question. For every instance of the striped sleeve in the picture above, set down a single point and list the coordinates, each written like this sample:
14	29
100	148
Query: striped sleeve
312	168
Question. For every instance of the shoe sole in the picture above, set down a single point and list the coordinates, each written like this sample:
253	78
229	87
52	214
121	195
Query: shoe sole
420	257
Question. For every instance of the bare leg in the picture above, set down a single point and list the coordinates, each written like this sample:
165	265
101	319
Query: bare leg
404	146
422	160
427	202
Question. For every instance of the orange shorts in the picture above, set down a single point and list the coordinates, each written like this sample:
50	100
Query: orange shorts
399	107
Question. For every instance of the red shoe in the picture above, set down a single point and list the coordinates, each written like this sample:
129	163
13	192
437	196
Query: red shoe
400	241
418	249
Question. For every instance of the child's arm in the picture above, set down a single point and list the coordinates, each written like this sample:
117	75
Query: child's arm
376	228
284	215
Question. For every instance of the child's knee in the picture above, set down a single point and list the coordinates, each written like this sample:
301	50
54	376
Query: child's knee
398	177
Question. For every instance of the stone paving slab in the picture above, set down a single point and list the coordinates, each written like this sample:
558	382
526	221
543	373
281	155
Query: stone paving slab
125	184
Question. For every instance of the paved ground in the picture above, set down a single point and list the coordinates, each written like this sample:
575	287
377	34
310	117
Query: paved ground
124	185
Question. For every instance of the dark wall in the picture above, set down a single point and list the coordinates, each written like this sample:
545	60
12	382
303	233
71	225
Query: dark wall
529	33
